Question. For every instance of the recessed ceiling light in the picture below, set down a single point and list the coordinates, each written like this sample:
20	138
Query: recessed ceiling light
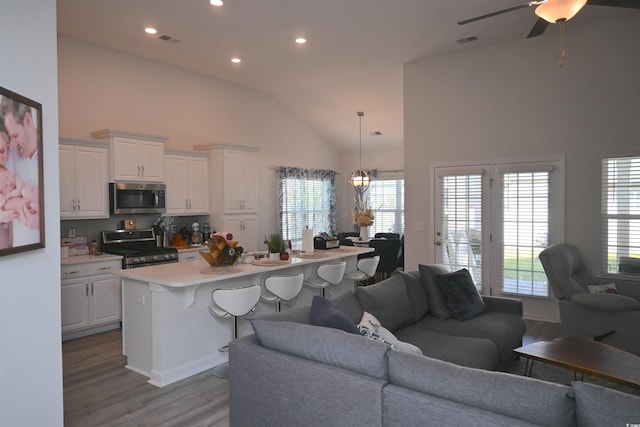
301	40
216	2
236	60
150	30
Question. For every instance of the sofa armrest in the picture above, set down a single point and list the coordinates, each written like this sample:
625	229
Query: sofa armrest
504	304
606	302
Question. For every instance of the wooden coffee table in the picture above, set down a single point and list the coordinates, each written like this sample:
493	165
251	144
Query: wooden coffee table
585	356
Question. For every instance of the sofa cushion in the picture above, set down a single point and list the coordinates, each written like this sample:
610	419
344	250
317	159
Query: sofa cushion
325	345
324	313
503	329
460	294
388	301
465	351
437	307
371	328
523	398
600	406
416	292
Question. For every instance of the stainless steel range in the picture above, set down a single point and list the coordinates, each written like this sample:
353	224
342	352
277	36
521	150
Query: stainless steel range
137	247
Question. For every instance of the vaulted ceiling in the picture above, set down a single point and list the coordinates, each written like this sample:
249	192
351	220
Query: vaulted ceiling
352	60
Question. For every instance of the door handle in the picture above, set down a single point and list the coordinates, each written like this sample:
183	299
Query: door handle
438	242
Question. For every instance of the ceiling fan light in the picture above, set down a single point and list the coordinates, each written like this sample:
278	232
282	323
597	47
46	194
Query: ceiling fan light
559	10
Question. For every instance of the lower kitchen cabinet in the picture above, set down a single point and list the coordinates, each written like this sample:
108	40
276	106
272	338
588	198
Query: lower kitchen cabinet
91	303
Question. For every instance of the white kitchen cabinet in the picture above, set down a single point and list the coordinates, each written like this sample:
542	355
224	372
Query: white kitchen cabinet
244	230
90	297
239	180
190	254
84	177
234	196
187	180
134	156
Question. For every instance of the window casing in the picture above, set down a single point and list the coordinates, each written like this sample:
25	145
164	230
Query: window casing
306	199
386	198
621	215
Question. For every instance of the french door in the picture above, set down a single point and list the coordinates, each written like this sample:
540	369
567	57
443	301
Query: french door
494	220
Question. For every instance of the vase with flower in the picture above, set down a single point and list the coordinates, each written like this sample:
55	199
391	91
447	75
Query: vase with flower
363	216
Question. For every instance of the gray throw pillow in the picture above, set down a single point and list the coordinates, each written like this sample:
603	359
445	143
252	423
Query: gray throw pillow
416	292
460	294
389	301
437	307
324	313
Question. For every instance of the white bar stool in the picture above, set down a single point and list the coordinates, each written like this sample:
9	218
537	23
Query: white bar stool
281	288
366	270
235	302
328	275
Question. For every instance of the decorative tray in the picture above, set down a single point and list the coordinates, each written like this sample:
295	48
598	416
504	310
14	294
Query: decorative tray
221	270
311	255
266	262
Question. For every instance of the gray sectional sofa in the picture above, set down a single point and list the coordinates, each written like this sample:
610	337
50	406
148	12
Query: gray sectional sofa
292	373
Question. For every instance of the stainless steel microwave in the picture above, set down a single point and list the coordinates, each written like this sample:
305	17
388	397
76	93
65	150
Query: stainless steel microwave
136	198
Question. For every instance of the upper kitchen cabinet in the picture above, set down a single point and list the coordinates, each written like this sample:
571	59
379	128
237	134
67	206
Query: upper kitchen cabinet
84	176
187	180
235	172
233	175
134	156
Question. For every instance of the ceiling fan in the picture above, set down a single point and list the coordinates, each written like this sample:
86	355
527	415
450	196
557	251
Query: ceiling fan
555	11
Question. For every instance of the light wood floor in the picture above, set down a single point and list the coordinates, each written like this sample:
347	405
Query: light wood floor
100	391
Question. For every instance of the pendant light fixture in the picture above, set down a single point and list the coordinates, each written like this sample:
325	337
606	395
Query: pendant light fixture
360	179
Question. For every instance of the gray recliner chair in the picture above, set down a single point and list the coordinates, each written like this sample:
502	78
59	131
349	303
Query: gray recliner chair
613	319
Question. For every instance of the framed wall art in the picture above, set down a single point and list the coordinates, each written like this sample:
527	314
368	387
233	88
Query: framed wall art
21	174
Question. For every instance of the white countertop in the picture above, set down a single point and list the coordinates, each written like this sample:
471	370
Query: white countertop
196	272
82	259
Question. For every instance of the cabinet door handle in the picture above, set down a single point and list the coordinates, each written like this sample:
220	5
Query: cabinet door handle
74	205
79	205
142	170
186	203
86	289
138	170
72	272
92	289
104	268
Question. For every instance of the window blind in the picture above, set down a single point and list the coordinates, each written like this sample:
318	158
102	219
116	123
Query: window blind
386	198
621	215
525	210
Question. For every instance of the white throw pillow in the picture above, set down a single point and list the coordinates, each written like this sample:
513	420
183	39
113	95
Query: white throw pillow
609	288
370	326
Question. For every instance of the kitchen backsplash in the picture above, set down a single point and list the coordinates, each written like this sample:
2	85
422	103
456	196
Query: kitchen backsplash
92	227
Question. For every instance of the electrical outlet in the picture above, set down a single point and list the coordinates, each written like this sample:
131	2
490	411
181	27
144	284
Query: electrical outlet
173	228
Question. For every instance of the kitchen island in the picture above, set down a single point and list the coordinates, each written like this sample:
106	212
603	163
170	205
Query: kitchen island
167	331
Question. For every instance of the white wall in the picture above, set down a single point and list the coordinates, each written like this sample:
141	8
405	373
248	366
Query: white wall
512	101
102	88
30	349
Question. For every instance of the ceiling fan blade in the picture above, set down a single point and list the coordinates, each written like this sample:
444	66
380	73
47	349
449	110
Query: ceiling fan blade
538	28
629	4
489	15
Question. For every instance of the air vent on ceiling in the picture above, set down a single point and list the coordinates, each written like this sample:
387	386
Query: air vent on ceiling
167	38
467	39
